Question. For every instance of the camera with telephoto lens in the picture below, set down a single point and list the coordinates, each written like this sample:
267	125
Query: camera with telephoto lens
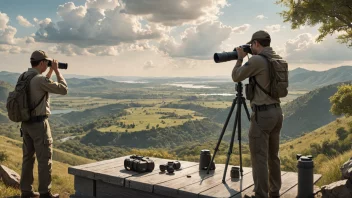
170	167
60	65
228	56
139	164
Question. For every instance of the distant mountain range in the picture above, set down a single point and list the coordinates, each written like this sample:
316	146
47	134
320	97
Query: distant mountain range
298	78
302	78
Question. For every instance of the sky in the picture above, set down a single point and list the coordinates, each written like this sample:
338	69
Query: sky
154	38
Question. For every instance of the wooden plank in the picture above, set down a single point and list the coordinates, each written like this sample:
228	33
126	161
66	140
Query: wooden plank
170	188
140	183
210	182
230	188
117	175
249	191
84	186
110	190
92	164
293	191
89	172
74	170
147	183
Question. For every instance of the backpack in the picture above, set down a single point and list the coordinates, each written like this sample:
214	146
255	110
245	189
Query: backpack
278	74
17	105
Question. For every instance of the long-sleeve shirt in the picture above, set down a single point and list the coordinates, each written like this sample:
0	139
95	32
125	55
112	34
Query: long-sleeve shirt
257	66
39	87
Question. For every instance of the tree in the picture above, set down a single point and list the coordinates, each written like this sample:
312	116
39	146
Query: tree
342	101
333	15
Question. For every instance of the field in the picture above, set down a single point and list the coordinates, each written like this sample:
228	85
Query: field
83	103
143	118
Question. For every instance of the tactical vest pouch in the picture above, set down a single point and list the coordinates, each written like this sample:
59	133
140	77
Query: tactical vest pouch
249	89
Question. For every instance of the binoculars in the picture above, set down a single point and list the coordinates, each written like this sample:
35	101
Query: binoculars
139	164
170	167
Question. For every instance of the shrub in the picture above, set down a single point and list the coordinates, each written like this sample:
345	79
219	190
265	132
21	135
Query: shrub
3	156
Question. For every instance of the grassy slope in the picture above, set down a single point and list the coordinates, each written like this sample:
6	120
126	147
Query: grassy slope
62	181
327	166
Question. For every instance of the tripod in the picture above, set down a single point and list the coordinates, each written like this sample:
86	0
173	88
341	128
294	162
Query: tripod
239	100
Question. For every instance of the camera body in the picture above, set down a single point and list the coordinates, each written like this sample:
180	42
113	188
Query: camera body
228	56
170	167
139	164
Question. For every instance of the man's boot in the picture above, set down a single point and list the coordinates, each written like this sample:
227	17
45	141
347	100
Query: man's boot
49	195
30	195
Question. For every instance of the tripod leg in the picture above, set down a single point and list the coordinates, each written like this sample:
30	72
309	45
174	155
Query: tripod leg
245	107
242	102
232	139
223	131
240	134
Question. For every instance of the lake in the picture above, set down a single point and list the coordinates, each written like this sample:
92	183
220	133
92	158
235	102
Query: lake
62	111
192	86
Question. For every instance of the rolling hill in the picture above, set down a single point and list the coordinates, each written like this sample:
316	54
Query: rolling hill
62	181
309	112
5	88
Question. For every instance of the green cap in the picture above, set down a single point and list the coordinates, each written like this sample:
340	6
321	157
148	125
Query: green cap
260	35
39	55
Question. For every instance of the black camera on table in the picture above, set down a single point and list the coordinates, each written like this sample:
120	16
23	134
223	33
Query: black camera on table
139	164
170	167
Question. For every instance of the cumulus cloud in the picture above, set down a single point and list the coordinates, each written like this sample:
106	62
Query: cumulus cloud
261	17
12	49
23	21
201	41
68	50
102	4
7	32
92	25
148	65
303	48
4	19
175	12
273	28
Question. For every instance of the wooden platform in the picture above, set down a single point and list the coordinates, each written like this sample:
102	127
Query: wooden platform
109	178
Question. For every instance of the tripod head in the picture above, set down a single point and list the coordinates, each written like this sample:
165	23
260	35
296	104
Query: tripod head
239	89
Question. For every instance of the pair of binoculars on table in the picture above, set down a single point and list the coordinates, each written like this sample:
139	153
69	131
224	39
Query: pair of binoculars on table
170	167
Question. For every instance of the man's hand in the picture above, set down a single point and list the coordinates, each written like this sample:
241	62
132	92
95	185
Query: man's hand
54	65
241	54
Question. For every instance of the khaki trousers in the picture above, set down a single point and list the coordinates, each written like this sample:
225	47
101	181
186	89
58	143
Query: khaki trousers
264	140
36	139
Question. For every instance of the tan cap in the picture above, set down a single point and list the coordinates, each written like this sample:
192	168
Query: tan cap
260	35
39	55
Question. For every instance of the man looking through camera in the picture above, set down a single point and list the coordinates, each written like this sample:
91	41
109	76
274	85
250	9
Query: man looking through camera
266	118
36	132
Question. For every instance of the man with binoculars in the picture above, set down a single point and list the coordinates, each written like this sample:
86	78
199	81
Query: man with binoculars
268	81
36	131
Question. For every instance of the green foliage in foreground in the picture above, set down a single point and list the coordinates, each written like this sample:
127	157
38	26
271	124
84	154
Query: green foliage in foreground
332	15
342	101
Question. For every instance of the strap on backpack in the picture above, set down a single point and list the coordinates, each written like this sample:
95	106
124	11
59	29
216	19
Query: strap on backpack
261	88
27	91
